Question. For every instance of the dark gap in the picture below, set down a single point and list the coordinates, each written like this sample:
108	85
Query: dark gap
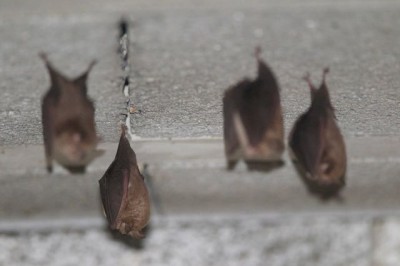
123	27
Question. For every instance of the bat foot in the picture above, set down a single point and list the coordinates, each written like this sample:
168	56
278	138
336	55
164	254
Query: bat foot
49	169
76	169
231	164
137	234
262	166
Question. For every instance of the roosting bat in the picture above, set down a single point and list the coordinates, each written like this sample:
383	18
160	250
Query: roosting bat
253	122
68	121
123	192
317	145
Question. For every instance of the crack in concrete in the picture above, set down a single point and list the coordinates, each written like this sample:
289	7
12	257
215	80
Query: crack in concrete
124	55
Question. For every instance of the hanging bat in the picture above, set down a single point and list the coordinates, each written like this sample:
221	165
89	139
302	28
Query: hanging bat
123	192
317	145
68	121
253	122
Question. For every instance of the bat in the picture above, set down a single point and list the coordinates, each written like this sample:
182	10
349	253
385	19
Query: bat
317	146
123	192
68	121
253	122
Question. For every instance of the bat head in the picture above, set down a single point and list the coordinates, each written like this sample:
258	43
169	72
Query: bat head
74	148
325	187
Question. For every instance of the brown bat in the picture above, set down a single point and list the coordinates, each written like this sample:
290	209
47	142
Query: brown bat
253	122
123	192
317	145
68	121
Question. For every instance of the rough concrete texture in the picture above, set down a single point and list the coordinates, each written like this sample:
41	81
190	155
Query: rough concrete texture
182	61
183	55
203	241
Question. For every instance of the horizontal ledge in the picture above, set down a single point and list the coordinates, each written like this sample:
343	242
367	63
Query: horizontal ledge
189	177
185	153
96	222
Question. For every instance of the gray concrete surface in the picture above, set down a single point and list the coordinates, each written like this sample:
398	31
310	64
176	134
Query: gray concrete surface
183	55
184	60
71	43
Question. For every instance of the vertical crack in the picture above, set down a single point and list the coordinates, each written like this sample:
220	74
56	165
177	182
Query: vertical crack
124	55
130	109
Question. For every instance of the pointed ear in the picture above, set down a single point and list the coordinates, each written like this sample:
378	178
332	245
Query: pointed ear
323	88
56	78
264	72
81	80
313	89
262	67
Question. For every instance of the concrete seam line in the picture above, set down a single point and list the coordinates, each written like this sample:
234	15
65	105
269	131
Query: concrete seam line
124	55
125	67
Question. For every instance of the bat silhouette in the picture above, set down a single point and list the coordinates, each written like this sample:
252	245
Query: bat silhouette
68	121
123	192
317	146
253	122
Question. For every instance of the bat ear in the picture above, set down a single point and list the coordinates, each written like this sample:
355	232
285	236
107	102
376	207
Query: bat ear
264	72
324	73
313	89
323	82
56	78
81	80
262	67
323	89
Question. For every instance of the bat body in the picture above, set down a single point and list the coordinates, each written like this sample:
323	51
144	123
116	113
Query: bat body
68	121
123	192
318	146
253	122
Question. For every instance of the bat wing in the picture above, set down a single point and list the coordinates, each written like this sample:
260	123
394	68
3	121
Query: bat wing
47	120
114	192
48	112
231	102
307	141
260	105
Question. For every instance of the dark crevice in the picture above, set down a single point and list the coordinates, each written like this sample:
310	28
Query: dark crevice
125	67
123	50
124	45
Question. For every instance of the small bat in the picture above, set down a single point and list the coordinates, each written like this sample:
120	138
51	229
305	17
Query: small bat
317	145
123	192
68	121
253	122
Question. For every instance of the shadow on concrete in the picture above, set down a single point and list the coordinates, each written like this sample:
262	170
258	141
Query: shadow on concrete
264	166
137	244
